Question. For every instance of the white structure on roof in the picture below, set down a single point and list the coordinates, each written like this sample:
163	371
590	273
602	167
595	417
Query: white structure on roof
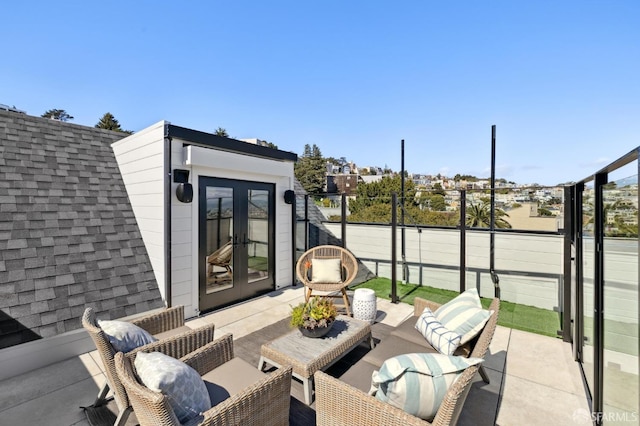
238	197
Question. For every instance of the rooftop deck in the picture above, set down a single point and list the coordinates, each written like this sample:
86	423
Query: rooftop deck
534	379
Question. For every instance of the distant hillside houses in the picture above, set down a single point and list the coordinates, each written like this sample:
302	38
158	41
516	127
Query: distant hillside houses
343	176
447	183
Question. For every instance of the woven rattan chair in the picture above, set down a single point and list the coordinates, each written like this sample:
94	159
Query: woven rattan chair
338	403
348	264
175	339
265	402
221	257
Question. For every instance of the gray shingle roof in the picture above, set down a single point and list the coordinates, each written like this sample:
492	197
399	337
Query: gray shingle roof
68	235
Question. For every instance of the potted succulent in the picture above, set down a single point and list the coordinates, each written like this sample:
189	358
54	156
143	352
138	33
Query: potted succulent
314	318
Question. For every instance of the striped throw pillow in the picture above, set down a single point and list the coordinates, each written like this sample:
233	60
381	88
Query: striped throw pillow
417	383
464	315
441	338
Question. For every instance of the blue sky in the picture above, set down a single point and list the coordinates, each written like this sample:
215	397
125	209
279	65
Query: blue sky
559	79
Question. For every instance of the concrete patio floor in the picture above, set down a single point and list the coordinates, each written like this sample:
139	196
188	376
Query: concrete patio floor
534	380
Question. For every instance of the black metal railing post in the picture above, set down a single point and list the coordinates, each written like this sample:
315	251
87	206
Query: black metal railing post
579	296
492	234
294	239
598	287
343	219
403	244
565	312
306	222
394	223
463	240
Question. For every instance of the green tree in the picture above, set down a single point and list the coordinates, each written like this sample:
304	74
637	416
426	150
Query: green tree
221	132
381	213
438	203
468	178
310	170
437	189
109	122
379	192
373	204
431	201
57	114
543	211
479	216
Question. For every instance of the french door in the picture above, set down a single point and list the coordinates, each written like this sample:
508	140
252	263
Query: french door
236	240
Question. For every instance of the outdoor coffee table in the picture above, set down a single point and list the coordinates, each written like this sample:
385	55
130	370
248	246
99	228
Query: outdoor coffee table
307	355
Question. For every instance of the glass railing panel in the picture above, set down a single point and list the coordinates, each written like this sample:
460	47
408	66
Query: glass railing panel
529	269
525	208
588	259
620	362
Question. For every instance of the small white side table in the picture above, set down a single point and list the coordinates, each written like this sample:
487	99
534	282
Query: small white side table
364	305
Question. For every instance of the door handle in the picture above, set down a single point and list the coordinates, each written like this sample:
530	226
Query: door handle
235	240
244	240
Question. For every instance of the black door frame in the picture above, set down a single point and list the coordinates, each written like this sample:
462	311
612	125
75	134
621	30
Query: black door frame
241	289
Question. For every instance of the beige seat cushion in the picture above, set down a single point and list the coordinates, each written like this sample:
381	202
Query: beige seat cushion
407	331
359	375
172	332
230	378
392	346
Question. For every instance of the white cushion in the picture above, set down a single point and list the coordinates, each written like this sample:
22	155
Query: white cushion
441	338
468	297
125	336
326	271
464	315
417	383
182	385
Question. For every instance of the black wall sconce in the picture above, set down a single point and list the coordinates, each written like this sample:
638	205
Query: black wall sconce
184	191
289	196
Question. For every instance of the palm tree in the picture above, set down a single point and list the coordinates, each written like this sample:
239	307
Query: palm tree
479	216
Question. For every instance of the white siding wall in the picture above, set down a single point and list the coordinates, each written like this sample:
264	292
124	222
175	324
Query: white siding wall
184	240
141	161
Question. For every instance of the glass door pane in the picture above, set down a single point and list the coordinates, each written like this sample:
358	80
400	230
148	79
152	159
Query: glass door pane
236	240
219	235
258	235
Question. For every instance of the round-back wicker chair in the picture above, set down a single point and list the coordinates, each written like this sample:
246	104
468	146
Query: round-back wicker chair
221	257
348	266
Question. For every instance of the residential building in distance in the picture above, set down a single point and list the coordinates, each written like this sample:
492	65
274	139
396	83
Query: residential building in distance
342	184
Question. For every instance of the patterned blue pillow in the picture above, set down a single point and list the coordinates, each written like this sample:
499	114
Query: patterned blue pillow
417	383
464	315
442	339
181	384
124	336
